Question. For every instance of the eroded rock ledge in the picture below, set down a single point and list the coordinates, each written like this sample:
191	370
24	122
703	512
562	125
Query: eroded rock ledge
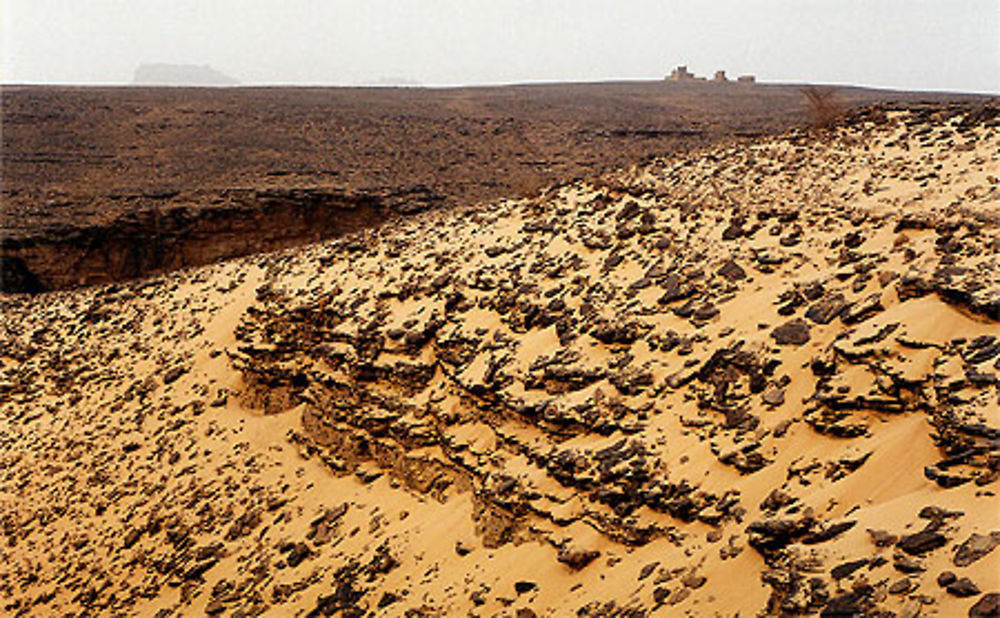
166	233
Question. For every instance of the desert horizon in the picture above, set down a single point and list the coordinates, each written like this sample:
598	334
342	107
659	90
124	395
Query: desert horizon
405	83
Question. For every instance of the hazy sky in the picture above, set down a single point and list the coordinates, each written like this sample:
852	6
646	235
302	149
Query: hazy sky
913	44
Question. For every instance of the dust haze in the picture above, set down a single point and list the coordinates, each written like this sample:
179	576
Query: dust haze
918	45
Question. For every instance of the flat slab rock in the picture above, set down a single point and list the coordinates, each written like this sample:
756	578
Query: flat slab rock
976	547
793	332
922	542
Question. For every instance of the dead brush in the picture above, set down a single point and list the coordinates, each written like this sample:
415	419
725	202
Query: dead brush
823	105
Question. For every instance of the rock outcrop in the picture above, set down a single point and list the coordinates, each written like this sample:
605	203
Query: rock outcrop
164	233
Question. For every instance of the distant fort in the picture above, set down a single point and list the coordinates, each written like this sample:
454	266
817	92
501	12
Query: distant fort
681	74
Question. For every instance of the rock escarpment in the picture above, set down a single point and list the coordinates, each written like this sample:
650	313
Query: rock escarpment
164	233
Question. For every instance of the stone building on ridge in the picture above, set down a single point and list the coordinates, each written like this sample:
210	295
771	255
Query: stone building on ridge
681	74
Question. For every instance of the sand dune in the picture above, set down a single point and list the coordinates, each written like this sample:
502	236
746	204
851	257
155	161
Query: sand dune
750	380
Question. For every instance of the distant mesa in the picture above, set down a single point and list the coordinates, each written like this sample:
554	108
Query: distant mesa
681	74
180	75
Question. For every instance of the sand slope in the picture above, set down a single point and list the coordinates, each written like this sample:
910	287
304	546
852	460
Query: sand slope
757	380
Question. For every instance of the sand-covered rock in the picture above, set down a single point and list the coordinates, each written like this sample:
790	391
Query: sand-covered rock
758	379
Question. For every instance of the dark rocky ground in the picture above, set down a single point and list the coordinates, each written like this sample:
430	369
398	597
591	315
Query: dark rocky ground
101	184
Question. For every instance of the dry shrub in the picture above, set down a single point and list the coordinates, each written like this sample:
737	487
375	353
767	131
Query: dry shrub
824	106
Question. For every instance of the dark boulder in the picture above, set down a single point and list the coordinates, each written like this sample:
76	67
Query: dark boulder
794	332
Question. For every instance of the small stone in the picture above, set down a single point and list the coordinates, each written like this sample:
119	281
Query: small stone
628	211
975	547
776	500
907	565
732	271
660	595
824	310
693	580
853	240
794	332
863	310
577	559
647	570
827	532
963	588
132	537
847	604
732	232
299	552
844	570
388	598
522	587
901	587
679	595
937	514
173	374
986	607
773	396
922	542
